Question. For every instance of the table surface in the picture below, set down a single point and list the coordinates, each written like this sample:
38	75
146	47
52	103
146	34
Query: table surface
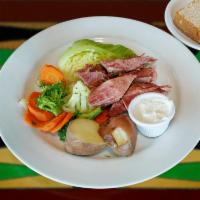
19	20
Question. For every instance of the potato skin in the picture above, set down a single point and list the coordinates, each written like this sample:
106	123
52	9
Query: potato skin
128	126
77	145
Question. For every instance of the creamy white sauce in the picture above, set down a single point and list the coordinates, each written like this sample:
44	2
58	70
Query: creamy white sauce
153	110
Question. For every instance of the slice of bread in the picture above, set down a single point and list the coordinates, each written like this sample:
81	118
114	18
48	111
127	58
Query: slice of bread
188	20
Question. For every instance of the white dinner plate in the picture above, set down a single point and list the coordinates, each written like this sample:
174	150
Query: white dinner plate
176	66
171	9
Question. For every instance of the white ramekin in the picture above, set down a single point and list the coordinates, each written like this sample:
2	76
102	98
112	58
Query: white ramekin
150	129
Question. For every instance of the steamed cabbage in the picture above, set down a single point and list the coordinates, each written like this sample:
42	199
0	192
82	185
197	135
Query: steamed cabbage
78	101
87	51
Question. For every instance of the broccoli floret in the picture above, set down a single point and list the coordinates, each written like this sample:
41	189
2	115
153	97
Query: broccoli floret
52	97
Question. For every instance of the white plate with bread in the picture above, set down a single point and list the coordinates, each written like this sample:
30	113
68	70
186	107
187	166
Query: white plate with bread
182	18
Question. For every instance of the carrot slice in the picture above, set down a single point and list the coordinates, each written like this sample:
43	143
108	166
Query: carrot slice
43	126
50	75
39	114
31	120
62	123
48	126
103	117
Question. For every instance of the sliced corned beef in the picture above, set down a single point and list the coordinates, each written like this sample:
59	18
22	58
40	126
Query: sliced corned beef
93	75
126	65
135	89
110	91
145	74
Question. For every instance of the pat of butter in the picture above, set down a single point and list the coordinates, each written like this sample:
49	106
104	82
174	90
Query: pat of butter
120	136
153	110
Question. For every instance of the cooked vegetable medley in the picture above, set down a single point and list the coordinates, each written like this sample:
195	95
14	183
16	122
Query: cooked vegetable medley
84	99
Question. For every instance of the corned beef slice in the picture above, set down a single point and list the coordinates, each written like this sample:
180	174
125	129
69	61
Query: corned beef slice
93	75
126	65
110	91
133	91
145	74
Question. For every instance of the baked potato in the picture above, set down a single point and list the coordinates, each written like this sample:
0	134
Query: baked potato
83	138
121	135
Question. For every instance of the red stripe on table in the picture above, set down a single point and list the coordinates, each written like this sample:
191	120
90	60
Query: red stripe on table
116	194
147	11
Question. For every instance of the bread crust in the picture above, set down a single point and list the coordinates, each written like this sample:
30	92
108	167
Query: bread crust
187	27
